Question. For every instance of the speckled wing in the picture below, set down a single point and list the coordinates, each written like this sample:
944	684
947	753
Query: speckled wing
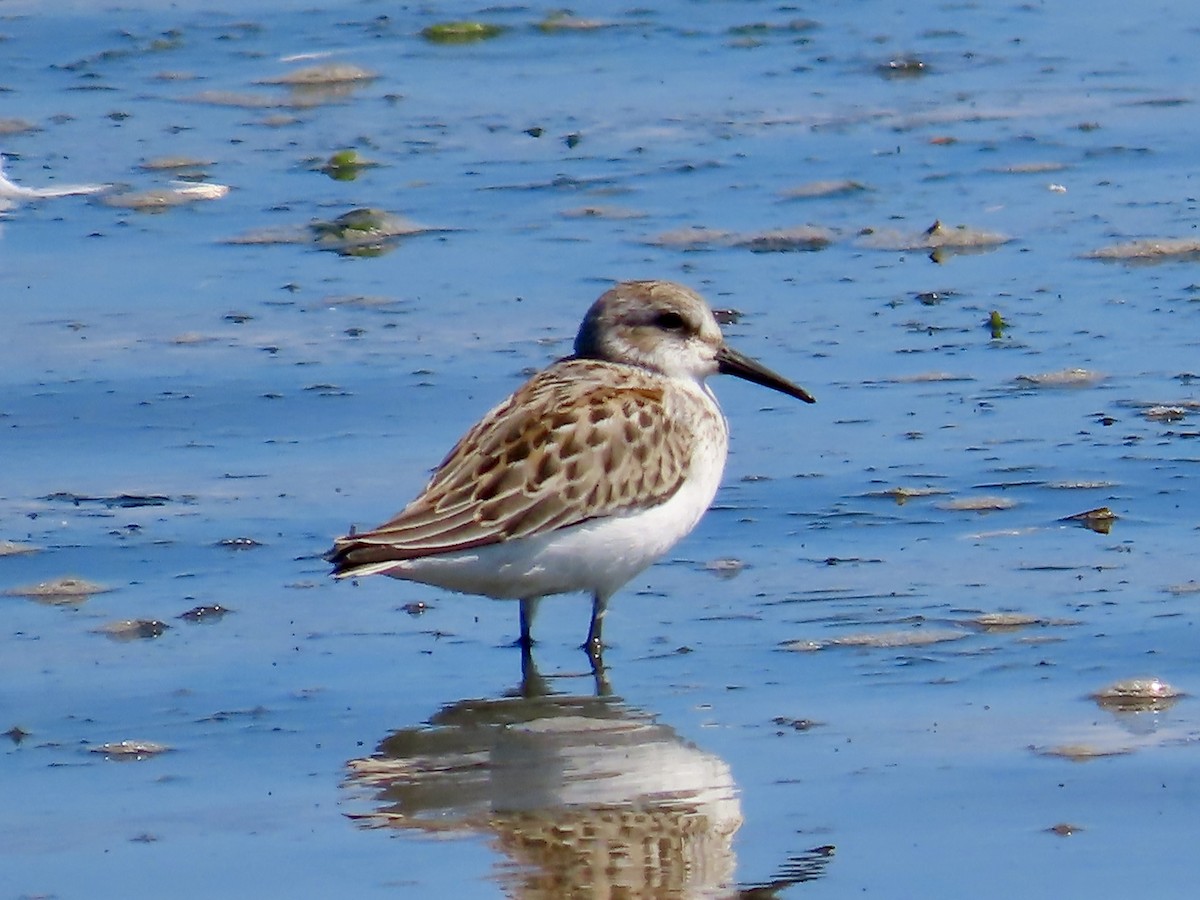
579	440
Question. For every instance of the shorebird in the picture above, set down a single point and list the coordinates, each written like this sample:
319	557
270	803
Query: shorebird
586	474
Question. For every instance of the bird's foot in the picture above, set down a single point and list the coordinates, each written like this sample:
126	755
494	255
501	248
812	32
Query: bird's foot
594	648
595	651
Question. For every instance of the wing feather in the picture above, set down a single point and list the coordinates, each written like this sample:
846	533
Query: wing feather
579	440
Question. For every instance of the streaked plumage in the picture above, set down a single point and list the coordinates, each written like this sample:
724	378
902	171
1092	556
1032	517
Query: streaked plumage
587	474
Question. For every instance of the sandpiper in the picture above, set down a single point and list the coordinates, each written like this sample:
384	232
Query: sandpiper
586	475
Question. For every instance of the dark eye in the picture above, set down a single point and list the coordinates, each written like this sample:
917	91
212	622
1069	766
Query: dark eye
670	321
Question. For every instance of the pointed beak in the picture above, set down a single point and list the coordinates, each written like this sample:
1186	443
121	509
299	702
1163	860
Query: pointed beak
731	362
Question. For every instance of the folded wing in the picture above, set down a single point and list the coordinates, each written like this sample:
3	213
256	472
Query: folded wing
577	441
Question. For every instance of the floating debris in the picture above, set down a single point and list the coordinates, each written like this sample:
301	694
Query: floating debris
804	238
357	301
228	715
133	629
59	590
360	232
832	188
1064	829
16	548
563	20
324	389
936	237
415	608
246	100
131	750
557	183
1006	621
996	323
237	543
1150	250
796	724
122	501
602	212
1081	752
923	378
903	494
1182	590
1068	378
16	734
17	126
1137	695
323	75
692	238
902	67
1081	485
1099	520
179	193
361	228
725	568
279	120
305	89
978	504
1034	168
882	639
345	165
176	76
11	194
212	612
192	339
174	164
464	32
792	26
363	221
1166	413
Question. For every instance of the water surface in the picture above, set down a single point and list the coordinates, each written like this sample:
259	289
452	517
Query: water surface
871	667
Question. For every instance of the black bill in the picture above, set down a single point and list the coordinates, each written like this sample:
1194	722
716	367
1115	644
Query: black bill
731	362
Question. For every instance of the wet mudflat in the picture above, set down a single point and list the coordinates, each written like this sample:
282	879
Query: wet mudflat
259	269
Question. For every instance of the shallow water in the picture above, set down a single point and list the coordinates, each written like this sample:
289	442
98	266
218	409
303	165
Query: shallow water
813	689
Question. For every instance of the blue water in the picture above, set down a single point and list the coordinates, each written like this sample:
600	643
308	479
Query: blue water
255	389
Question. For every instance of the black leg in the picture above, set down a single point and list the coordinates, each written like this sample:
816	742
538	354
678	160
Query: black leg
532	683
594	645
529	607
599	672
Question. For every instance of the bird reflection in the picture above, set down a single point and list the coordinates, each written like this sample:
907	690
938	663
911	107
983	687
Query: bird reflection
583	795
798	868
